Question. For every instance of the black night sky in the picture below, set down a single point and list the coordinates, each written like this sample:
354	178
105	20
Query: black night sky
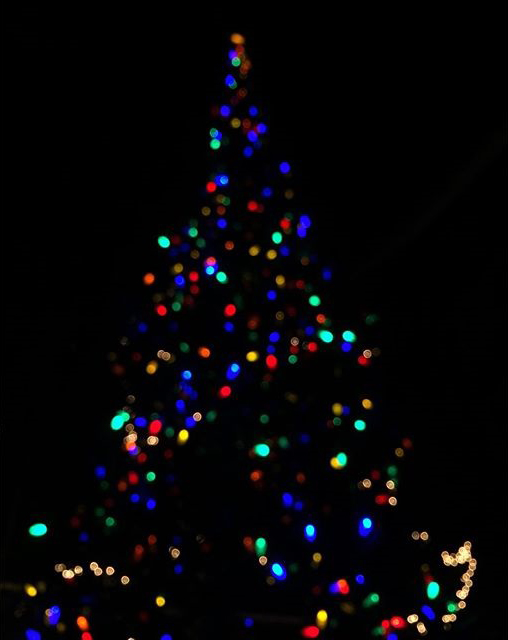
393	121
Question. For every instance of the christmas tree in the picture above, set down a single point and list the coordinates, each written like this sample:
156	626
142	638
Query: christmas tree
253	489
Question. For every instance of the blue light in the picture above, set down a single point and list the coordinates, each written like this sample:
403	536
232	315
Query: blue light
248	152
166	636
222	223
309	331
230	81
253	111
284	251
248	622
179	281
142	327
271	295
300	231
278	571
310	532
305	222
360	579
151	504
365	527
392	636
100	472
274	336
298	505
346	347
270	349
31	634
54	615
135	498
334	587
178	569
327	274
233	371
84	537
225	111
346	410
287	499
140	422
221	179
190	422
180	405
266	192
262	128
229	326
186	375
284	167
252	136
426	610
304	438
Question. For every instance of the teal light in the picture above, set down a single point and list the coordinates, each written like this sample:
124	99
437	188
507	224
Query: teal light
215	144
119	420
260	546
150	476
277	237
193	232
349	336
342	459
37	530
360	425
262	450
432	590
315	301
221	277
325	336
163	241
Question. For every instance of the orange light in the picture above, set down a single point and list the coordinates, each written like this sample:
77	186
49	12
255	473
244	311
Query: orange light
82	623
148	278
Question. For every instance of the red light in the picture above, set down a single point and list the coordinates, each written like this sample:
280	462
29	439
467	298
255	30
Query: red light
252	205
193	276
161	310
86	636
382	498
224	392
363	361
385	624
194	289
310	632
211	187
229	310
155	427
142	458
343	587
133	477
312	346
285	223
398	622
271	361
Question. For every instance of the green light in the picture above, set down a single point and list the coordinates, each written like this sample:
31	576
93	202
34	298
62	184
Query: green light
184	347
176	306
293	359
163	242
110	522
314	301
262	450
392	470
193	232
100	511
349	336
451	606
372	318
215	144
104	485
213	132
283	442
211	415
371	599
201	243
169	431
226	201
236	62
337	422
342	459
150	476
119	420
37	530
221	277
360	425
277	237
432	590
326	336
260	546
264	418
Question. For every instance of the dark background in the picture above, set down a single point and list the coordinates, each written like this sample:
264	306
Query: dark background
393	120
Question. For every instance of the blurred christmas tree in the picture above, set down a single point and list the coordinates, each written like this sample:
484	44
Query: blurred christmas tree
254	487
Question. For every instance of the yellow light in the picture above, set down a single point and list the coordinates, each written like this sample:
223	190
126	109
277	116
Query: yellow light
321	619
152	367
235	123
334	463
160	601
271	254
367	404
252	356
337	408
206	211
178	268
317	557
280	280
30	590
254	250
183	436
